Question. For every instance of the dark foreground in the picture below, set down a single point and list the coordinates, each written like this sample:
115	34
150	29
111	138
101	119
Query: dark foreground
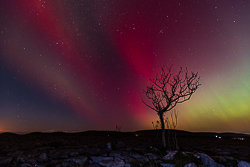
128	149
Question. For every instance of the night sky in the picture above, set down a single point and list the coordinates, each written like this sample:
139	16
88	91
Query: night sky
72	65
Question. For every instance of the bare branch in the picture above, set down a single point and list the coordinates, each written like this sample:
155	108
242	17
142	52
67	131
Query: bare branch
167	90
148	105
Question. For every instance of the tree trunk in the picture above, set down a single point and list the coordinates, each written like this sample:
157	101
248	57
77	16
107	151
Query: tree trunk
163	129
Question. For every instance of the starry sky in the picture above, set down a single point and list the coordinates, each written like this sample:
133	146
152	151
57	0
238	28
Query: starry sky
77	65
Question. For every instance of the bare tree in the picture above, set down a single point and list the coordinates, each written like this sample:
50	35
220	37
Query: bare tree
167	90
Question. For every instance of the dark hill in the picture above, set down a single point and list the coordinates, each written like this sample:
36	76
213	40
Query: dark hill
140	133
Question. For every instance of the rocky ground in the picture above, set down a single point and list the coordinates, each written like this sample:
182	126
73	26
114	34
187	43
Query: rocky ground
115	149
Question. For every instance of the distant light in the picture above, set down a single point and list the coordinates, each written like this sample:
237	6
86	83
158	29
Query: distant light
216	136
219	137
238	138
136	135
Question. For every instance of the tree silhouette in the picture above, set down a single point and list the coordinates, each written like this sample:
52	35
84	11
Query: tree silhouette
166	90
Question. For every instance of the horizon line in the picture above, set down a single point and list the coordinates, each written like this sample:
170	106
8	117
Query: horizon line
78	131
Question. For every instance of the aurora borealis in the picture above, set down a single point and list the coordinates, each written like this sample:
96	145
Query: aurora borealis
82	65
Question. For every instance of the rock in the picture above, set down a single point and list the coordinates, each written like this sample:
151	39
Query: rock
229	157
167	165
197	155
154	149
77	160
136	155
118	163
243	164
114	154
54	162
26	165
66	164
64	155
128	148
31	161
22	158
127	158
220	159
208	161
98	159
32	154
53	154
94	165
139	157
190	165
127	165
105	162
43	158
120	145
73	154
5	161
109	147
80	151
152	156
96	154
170	155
